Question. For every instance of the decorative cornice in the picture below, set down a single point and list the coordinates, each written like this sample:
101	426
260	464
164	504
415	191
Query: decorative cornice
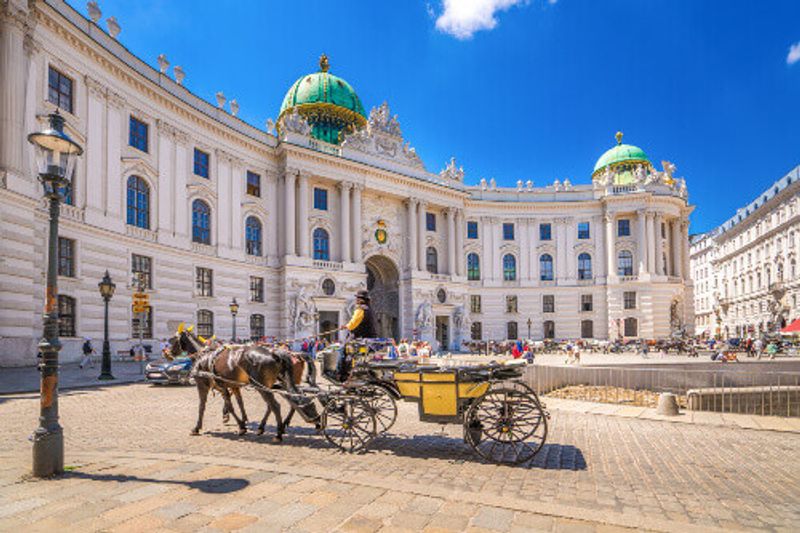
96	87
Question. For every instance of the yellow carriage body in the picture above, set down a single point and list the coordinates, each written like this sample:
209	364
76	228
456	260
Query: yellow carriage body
441	394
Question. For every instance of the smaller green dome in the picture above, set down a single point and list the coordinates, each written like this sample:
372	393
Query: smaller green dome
621	153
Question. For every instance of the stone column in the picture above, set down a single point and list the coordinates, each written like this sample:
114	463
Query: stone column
290	180
302	216
271	203
421	235
661	267
411	214
598	234
641	240
676	248
561	249
460	229
570	231
94	147
451	241
14	68
651	243
685	250
355	227
344	218
524	256
608	221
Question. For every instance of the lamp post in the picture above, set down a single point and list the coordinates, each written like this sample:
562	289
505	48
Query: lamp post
56	153
234	307
106	287
529	328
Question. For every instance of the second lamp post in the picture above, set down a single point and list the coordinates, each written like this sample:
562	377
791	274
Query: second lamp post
234	307
106	287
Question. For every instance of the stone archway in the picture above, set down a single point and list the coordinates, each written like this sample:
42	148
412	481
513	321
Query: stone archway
383	284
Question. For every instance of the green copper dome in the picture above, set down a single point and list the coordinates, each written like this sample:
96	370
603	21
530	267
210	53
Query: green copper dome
327	102
622	158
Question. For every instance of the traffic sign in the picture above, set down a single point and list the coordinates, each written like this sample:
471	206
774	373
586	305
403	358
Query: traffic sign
139	308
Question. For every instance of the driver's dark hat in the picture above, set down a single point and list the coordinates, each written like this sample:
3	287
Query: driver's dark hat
362	295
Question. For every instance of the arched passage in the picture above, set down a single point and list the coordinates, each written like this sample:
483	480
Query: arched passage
383	286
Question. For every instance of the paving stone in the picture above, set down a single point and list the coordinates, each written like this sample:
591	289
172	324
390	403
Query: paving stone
361	524
493	518
445	522
233	521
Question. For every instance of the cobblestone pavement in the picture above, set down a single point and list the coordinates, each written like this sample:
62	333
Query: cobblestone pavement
137	467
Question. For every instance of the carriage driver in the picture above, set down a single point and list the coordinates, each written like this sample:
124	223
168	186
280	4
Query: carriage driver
361	326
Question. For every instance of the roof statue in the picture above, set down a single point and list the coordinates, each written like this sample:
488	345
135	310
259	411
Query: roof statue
383	138
452	172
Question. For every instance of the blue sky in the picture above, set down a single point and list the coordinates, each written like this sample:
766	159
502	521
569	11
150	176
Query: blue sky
518	89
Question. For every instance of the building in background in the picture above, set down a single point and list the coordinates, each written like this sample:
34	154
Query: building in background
292	221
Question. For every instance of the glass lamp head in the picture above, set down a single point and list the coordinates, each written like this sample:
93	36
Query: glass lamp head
106	287
56	153
234	307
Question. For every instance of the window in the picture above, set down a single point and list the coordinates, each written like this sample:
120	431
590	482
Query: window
623	227
252	236
201	166
321	245
68	190
586	302
205	323
584	266
472	229
138	202
549	328
545	232
546	267
66	257
511	304
143	266
256	289
548	303
253	184
432	260
587	329
430	221
625	263
511	331
631	327
145	321
201	222
629	299
475	331
328	287
256	326
508	231
583	230
59	90
509	267
137	134
66	316
320	199
204	281
475	303
473	267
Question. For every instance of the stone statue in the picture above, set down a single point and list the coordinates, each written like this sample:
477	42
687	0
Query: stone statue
302	311
294	122
453	172
424	317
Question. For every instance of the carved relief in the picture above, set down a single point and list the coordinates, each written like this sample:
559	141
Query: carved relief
383	137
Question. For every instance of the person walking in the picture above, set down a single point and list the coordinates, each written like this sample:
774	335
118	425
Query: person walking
88	350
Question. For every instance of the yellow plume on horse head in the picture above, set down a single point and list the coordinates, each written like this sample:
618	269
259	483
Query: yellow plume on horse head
180	328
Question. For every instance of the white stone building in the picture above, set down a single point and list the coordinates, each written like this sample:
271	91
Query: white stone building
293	220
745	273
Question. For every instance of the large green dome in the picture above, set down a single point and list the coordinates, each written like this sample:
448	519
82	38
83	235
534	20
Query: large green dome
622	158
327	102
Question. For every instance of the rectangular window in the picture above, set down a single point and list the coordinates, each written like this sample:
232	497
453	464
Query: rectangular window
145	321
143	266
472	229
508	231
476	331
256	289
629	299
511	304
66	316
475	303
548	303
586	302
623	227
59	90
320	199
137	134
511	331
204	281
201	163
430	221
545	233
583	230
253	184
66	257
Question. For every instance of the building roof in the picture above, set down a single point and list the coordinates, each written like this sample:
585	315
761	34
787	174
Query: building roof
621	154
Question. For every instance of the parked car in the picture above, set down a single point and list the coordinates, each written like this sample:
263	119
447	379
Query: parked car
175	372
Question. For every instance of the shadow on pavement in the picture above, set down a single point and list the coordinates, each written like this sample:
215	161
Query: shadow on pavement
224	485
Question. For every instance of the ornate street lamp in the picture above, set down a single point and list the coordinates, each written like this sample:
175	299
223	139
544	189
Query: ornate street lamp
106	287
56	153
234	307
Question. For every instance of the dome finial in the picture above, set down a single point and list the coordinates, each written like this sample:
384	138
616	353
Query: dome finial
323	63
619	137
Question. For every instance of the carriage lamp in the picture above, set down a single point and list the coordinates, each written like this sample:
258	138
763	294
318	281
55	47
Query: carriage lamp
106	287
56	154
234	307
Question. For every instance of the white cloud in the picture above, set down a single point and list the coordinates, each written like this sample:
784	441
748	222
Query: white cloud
794	54
462	18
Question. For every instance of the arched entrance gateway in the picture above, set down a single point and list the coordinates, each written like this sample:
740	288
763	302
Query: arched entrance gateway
383	284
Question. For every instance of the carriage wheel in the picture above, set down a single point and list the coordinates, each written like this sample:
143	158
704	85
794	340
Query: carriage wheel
506	425
348	422
383	405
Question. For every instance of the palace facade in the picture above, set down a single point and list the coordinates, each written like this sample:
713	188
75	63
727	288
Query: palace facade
292	220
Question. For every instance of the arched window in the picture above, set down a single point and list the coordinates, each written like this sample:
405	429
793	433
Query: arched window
625	263
546	267
205	323
432	260
256	327
322	245
473	267
66	316
584	266
509	267
201	222
138	202
252	236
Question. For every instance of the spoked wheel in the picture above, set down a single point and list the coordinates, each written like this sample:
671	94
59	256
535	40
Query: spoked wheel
506	425
383	405
348	422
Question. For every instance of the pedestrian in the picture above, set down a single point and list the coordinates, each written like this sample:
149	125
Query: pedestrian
88	350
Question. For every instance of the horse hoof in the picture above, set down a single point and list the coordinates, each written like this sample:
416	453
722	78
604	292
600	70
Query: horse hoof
277	439
195	432
260	431
225	419
242	431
